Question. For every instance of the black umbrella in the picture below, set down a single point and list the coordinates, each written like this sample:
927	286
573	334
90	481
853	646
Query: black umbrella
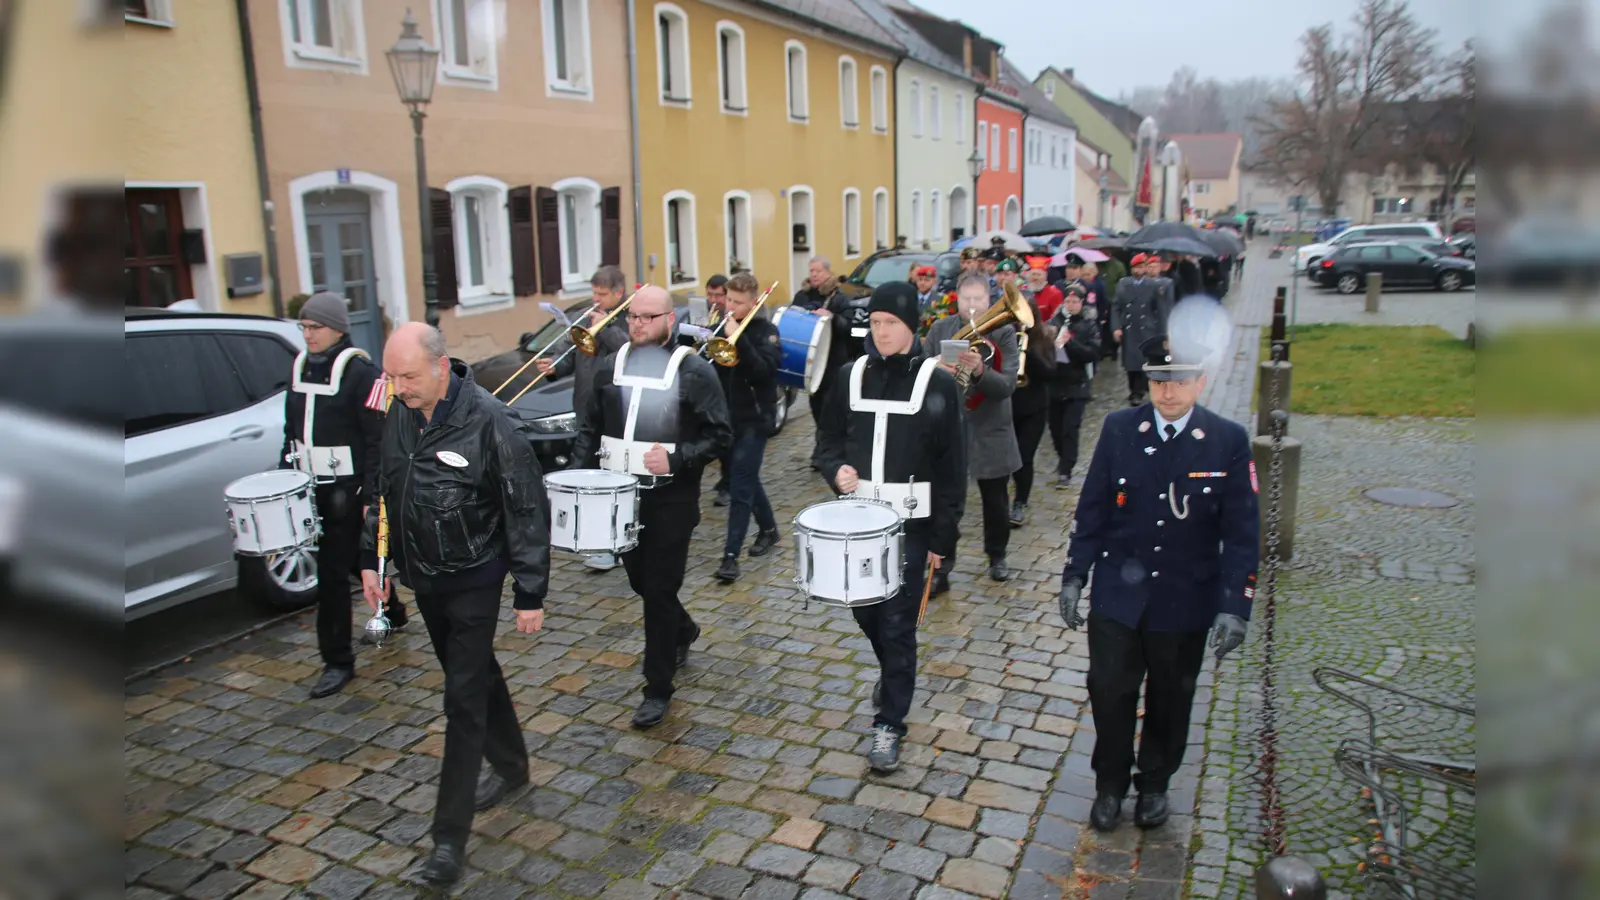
1158	230
1226	243
1046	225
1177	244
1101	243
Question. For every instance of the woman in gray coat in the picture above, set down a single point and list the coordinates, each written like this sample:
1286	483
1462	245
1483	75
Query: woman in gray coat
992	452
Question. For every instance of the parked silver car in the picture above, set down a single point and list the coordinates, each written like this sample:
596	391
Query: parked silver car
203	397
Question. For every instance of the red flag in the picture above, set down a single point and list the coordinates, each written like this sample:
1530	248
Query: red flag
378	397
1144	183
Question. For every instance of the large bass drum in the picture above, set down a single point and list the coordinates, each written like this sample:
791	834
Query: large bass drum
848	552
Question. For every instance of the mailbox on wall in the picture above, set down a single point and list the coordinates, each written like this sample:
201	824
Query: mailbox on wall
244	274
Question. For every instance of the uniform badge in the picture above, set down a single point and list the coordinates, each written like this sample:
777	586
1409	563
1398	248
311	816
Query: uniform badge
1150	451
1122	498
1143	427
1198	434
1254	484
452	458
773	338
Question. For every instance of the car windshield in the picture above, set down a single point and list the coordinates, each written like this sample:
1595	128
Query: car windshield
548	331
898	268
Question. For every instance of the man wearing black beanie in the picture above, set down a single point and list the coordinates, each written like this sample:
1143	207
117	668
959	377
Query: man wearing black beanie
895	395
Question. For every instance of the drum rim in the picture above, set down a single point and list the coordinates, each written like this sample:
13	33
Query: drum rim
550	480
306	481
898	525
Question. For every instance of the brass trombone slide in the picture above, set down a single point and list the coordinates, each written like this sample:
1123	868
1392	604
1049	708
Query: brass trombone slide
583	340
721	349
542	351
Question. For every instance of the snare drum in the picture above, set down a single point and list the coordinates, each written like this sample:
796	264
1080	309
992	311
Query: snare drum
848	552
272	512
805	339
593	511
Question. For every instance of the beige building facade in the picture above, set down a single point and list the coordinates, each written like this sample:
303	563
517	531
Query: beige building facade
529	159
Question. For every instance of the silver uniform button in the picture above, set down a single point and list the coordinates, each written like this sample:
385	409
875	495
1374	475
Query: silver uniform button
1205	490
1161	496
1161	522
1155	574
1158	550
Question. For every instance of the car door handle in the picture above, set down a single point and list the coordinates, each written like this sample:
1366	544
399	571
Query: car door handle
246	433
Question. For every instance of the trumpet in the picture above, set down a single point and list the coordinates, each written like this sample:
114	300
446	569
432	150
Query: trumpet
721	348
583	340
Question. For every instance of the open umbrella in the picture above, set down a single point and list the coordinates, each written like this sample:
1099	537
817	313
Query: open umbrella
1172	237
1045	225
1013	241
1224	241
1102	243
1080	251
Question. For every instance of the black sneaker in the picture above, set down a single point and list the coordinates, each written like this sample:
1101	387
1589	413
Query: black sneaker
765	541
998	570
1063	481
1019	514
941	584
721	498
728	572
651	712
885	753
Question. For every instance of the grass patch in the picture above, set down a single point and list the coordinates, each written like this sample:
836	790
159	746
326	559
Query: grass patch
1379	370
1541	372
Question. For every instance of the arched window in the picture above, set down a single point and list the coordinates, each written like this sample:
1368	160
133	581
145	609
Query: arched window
794	56
482	237
678	213
672	55
848	94
736	226
914	107
852	222
880	218
935	218
578	215
880	100
566	49
916	217
935	127
731	69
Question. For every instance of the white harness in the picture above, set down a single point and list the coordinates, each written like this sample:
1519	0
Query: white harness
326	463
913	499
625	454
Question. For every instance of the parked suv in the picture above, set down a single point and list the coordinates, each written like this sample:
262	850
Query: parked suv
1310	255
203	400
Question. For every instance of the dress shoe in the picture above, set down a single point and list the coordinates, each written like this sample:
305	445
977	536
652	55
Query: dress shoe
444	866
728	572
765	541
603	562
1151	810
998	570
721	498
877	695
493	787
333	680
1106	812
1019	514
941	584
650	713
885	753
682	658
1063	482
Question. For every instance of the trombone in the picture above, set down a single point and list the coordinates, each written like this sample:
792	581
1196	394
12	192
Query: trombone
583	340
542	351
721	348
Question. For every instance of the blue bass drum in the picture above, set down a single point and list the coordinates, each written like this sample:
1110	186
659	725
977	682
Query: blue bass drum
805	339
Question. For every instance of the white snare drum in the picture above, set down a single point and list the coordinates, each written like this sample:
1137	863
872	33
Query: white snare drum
848	552
271	512
593	511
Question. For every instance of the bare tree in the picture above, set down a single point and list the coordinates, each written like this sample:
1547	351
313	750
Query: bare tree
1321	133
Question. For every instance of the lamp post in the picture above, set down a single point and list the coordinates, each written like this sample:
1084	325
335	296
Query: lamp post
414	64
975	168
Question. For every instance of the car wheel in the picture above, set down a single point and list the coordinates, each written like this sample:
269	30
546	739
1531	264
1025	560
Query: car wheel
284	582
781	413
1450	281
1311	265
1349	283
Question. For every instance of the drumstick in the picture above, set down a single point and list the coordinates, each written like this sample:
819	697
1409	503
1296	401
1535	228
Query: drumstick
927	588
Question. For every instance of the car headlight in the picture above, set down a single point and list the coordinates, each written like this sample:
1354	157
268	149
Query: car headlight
562	423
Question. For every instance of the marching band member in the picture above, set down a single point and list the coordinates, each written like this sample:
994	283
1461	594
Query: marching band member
1167	524
992	452
894	420
467	506
751	389
820	296
610	288
1030	411
1036	286
332	422
659	414
1074	340
716	309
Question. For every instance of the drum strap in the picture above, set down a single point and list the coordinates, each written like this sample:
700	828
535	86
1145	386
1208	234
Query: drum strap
882	409
638	383
312	391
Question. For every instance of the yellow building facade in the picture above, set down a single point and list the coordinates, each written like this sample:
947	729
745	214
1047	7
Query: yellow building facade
765	139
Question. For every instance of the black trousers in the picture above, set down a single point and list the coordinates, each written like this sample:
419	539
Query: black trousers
480	721
1120	660
746	495
655	572
891	628
1030	430
996	515
338	553
1138	384
1066	423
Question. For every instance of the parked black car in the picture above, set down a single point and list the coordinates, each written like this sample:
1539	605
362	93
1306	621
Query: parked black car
1402	264
547	408
896	265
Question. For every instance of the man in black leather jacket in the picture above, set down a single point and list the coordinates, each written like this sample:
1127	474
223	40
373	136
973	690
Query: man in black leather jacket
466	506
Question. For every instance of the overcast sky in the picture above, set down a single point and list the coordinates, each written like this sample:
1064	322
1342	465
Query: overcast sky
1245	38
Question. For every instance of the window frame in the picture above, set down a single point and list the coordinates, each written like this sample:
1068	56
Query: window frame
443	31
554	86
914	107
745	241
935	217
688	243
983	219
849	94
1012	155
156	12
575	282
790	48
983	142
994	146
494	234
880	218
935	118
342	15
961	119
851	193
669	65
208	384
724	92
878	88
916	235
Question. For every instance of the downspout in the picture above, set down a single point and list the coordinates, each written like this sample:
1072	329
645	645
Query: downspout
258	136
633	117
894	186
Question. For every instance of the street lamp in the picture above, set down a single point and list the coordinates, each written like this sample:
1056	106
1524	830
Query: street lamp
975	168
414	64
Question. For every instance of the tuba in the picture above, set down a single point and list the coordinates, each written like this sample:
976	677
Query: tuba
1011	309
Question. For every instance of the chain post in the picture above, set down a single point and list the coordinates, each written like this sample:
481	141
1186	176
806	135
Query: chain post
1274	839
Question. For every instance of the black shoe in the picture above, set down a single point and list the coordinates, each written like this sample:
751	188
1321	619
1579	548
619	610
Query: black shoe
1019	514
765	541
998	570
650	713
1150	810
877	695
396	613
333	680
493	787
941	584
444	866
885	753
1106	812
1063	482
721	498
728	572
682	658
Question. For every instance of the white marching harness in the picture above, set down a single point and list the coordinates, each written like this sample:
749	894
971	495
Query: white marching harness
625	454
324	463
913	499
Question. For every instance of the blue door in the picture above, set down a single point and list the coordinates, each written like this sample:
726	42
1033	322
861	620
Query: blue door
339	239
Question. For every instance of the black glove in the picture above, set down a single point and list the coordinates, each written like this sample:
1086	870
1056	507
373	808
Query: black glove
1071	592
1227	634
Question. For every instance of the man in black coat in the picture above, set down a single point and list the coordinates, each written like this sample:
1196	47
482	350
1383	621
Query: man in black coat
1167	526
895	418
1074	337
466	507
332	422
821	297
751	389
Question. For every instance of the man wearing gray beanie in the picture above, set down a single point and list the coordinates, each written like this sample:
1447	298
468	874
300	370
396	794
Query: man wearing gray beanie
333	417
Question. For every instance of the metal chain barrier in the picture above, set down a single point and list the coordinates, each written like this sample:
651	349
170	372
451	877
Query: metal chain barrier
1273	838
